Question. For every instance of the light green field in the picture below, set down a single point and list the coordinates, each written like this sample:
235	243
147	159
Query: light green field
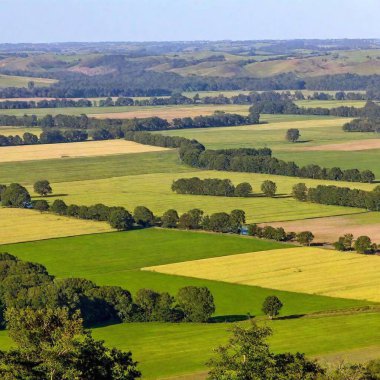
20	81
19	131
330	103
154	191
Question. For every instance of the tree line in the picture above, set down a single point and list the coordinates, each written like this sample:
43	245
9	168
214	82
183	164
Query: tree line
249	160
25	284
339	196
363	125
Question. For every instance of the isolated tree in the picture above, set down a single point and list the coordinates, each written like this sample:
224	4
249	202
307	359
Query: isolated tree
292	135
247	356
52	345
305	237
299	192
59	207
43	187
243	189
269	188
15	195
272	306
363	244
170	219
143	216
197	303
120	219
41	205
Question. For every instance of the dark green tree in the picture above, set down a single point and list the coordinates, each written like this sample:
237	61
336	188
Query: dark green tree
305	237
293	135
243	189
41	205
15	195
42	187
170	219
143	216
363	244
197	303
299	192
120	219
269	188
272	306
59	207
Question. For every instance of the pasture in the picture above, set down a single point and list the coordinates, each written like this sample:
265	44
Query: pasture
17	225
305	270
153	190
19	131
22	81
77	149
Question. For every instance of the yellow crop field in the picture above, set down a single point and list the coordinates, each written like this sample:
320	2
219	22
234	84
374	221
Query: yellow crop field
79	149
17	225
19	131
304	270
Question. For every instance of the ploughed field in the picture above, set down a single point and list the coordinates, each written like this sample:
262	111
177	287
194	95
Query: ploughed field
117	259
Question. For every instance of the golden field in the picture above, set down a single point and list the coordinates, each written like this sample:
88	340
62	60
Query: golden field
71	150
304	270
18	225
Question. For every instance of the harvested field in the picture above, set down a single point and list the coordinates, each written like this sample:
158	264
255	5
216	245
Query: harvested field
346	146
305	270
328	229
71	150
18	225
171	112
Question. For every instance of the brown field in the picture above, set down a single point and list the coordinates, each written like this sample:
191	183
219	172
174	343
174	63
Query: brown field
66	150
172	112
329	229
19	225
346	147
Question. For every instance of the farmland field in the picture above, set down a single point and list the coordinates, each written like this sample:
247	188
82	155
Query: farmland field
306	270
19	131
21	81
154	191
77	149
18	225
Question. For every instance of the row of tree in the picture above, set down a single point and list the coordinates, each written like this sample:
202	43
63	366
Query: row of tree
24	284
362	244
363	125
339	196
249	160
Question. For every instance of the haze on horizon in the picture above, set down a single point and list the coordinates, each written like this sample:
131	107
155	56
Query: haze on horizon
184	20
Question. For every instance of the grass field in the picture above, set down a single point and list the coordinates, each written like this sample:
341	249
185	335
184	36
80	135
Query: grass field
305	270
330	103
77	149
18	225
76	169
154	191
19	131
20	81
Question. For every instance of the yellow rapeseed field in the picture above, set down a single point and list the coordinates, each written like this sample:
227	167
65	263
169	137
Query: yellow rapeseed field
17	225
305	270
79	149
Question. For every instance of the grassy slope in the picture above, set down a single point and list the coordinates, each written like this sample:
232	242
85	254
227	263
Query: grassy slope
167	355
20	81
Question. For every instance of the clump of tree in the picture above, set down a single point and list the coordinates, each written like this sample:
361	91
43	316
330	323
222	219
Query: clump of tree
15	195
269	188
211	186
305	237
363	244
51	344
344	243
292	135
269	232
42	187
247	355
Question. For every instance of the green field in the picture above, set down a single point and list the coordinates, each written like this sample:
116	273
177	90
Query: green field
19	131
21	81
171	349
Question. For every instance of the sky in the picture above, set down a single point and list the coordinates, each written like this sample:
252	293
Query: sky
184	20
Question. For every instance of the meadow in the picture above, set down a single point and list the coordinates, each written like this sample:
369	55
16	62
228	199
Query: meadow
22	81
306	270
19	131
18	225
77	149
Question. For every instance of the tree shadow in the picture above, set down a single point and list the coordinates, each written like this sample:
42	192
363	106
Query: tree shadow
285	317
230	318
303	141
49	196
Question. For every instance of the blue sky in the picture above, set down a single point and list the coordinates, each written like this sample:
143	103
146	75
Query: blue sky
174	20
